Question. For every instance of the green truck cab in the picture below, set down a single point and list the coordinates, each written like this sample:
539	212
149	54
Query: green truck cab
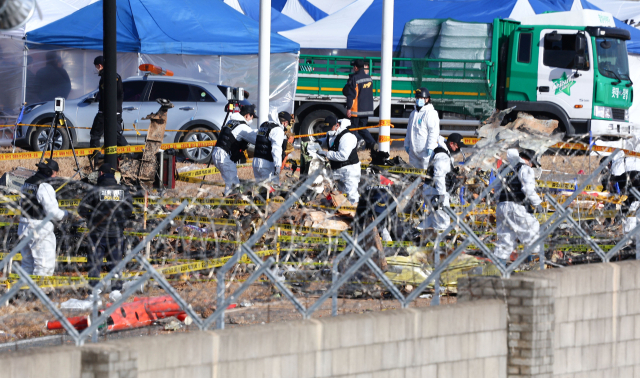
569	66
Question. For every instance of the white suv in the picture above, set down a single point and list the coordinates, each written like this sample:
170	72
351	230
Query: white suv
198	105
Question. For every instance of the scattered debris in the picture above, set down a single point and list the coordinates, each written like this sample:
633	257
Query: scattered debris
78	304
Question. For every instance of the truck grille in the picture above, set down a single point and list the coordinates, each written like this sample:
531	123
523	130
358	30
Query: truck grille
618	114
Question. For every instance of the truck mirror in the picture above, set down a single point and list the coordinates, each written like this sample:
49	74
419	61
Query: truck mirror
581	44
579	62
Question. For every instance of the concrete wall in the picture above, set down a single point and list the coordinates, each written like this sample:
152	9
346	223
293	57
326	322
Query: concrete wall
467	340
567	323
597	320
590	312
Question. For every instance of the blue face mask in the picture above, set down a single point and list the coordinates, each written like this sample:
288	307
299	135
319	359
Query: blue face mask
419	102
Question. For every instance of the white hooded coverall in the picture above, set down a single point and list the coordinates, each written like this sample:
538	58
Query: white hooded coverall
347	178
423	131
221	158
513	221
267	170
39	255
621	165
438	219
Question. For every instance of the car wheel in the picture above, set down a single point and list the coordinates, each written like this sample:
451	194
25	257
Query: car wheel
198	154
40	135
313	123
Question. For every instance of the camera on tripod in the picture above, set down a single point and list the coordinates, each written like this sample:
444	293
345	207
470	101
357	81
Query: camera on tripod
58	104
234	97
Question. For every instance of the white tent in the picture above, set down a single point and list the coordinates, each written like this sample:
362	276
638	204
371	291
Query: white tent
627	11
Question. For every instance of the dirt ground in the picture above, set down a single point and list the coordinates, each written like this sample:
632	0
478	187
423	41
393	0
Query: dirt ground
26	318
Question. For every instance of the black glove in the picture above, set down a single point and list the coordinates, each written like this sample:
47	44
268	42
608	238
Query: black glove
436	202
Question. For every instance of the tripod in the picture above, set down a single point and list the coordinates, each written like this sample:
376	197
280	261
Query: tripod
58	119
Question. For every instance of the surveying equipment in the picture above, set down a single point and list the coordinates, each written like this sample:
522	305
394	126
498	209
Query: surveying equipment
58	119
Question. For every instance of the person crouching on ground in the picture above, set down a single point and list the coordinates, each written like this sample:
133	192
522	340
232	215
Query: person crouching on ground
343	157
39	255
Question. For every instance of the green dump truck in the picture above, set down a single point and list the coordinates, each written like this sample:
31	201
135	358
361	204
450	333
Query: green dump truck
569	66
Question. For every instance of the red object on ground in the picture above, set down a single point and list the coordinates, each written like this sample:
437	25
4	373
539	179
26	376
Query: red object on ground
78	322
581	172
499	163
141	312
385	181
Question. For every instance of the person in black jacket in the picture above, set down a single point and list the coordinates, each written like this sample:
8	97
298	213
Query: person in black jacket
106	208
359	93
97	129
53	79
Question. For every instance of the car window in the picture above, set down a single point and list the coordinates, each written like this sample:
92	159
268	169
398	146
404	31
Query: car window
174	92
200	95
133	90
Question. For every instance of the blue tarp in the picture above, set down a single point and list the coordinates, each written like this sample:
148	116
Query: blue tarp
279	21
313	11
365	34
195	27
278	4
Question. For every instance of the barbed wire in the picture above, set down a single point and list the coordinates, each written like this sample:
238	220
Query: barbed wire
271	253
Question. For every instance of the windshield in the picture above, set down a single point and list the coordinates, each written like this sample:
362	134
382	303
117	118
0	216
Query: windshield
612	58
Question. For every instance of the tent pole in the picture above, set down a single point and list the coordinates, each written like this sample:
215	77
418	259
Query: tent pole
110	84
384	135
264	56
24	72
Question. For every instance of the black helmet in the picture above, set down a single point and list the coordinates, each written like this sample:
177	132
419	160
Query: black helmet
422	93
530	155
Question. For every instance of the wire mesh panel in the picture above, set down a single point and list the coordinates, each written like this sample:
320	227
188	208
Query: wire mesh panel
190	259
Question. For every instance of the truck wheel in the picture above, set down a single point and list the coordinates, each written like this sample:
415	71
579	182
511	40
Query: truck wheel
198	154
314	123
39	139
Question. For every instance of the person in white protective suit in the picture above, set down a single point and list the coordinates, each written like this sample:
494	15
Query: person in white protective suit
267	157
438	184
39	255
422	131
343	157
625	174
232	143
518	203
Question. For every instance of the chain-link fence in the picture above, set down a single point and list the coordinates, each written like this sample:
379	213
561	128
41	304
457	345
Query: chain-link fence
300	249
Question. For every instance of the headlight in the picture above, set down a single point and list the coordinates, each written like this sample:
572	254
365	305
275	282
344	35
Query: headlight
29	108
626	115
602	112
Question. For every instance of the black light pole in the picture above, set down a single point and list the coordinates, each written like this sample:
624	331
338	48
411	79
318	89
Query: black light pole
110	84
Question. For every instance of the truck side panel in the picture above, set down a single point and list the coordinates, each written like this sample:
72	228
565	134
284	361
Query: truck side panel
522	70
458	86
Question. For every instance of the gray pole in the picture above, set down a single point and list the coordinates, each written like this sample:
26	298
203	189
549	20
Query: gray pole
264	61
110	101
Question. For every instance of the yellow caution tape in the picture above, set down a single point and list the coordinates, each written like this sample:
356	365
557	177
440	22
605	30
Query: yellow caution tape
60	281
89	151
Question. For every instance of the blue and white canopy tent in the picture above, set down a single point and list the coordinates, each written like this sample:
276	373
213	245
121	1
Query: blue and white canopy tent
358	26
355	30
199	39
